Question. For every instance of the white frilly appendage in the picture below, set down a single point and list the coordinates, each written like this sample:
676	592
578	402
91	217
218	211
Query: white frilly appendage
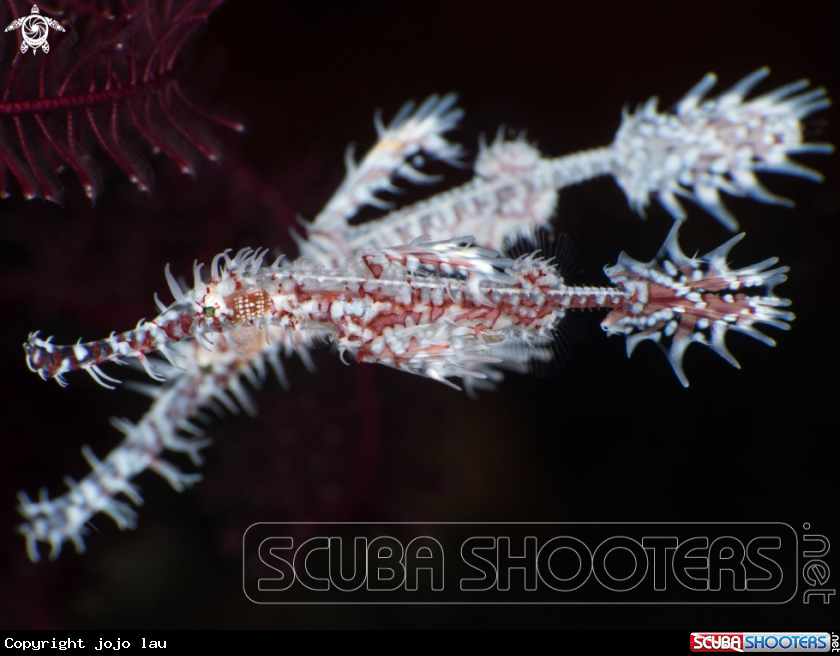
709	146
683	300
398	153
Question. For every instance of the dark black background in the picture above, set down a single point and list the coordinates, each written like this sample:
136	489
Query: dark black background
607	438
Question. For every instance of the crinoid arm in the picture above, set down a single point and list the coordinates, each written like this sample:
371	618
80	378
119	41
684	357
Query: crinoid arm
708	146
677	300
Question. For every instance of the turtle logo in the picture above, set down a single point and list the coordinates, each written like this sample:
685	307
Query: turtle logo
35	30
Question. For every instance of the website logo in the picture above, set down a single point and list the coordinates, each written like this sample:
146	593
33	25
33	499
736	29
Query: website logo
761	642
553	563
34	30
